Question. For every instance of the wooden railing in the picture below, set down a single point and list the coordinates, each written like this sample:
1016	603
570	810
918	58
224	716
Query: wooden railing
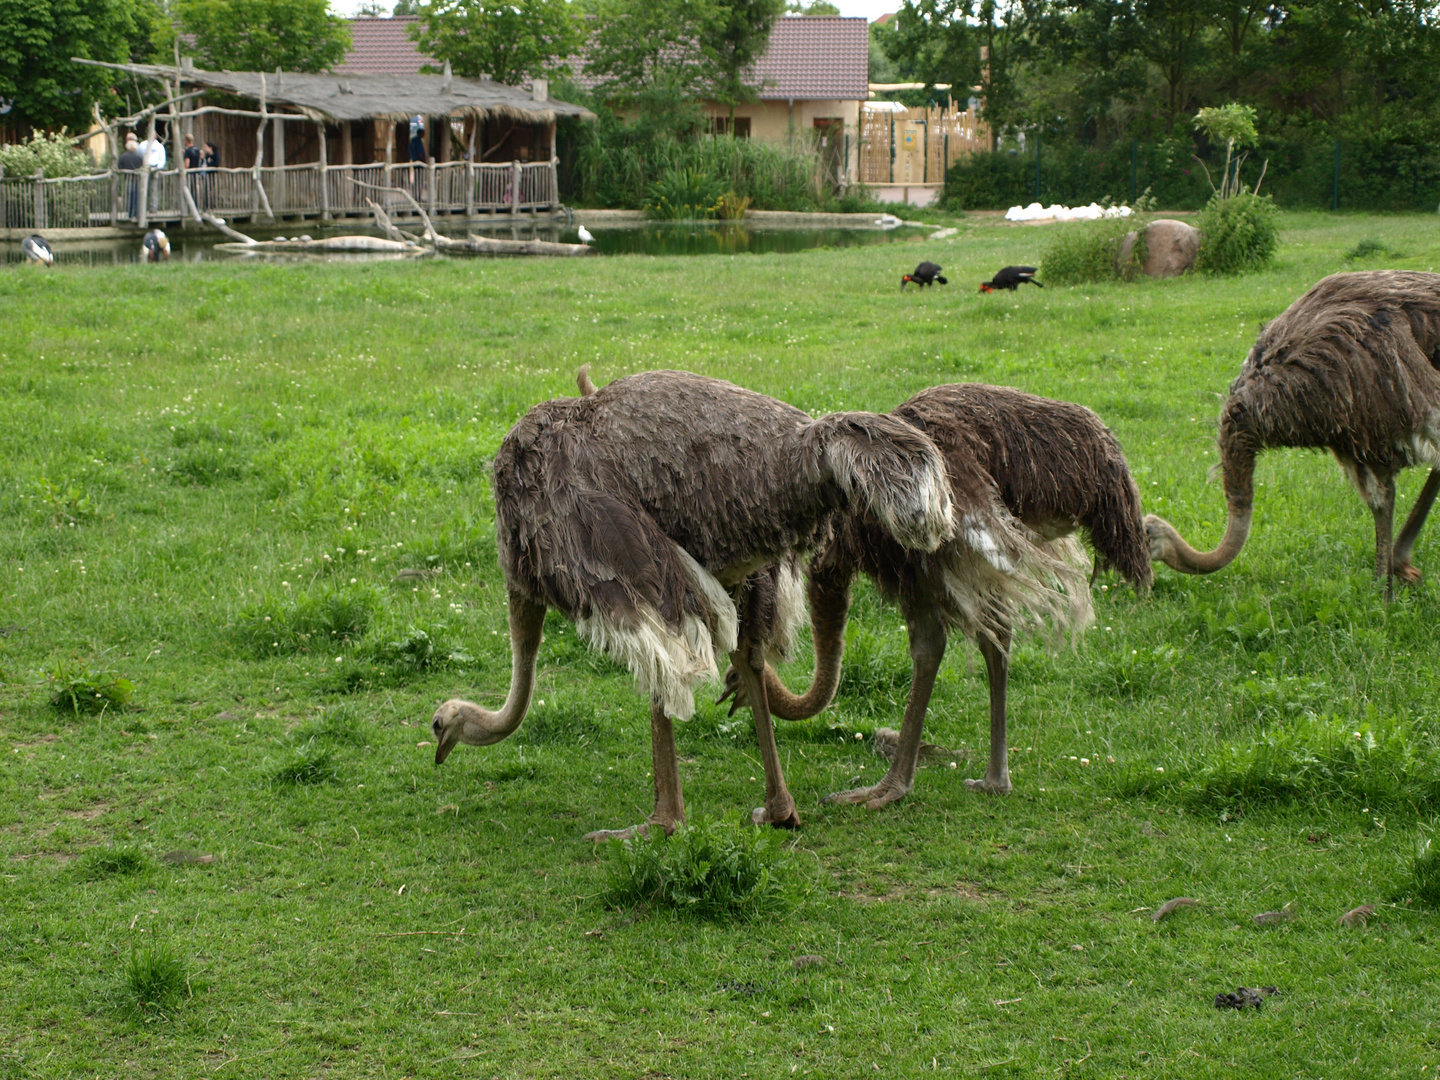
916	146
115	198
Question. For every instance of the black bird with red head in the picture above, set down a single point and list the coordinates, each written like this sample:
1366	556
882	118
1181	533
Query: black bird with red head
927	273
1012	277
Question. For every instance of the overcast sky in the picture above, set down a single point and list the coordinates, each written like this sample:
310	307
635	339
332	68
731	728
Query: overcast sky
870	9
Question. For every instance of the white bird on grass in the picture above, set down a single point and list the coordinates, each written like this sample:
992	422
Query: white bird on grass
586	236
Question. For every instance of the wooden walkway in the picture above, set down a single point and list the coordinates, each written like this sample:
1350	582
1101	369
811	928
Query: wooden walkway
336	191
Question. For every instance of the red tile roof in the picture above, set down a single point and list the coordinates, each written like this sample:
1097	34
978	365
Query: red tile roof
383	47
816	57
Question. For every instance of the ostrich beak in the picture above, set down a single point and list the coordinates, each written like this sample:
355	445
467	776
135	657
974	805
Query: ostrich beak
445	742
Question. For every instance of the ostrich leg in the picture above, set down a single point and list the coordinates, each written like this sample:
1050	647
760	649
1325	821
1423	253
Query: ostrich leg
779	808
997	673
669	798
927	649
1381	497
1405	570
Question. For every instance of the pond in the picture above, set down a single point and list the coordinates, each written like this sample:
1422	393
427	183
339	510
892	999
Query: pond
652	238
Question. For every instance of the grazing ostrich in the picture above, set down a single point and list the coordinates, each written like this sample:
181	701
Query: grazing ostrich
643	511
35	248
1350	366
927	273
1025	472
1011	277
155	246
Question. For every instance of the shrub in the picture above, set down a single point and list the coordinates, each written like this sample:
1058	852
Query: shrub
156	980
732	207
1237	235
707	870
89	690
1090	251
1370	247
683	195
124	860
52	153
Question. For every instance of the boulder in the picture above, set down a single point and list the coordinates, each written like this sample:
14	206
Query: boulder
1170	248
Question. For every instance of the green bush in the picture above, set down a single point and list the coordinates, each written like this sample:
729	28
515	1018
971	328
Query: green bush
51	152
683	195
1237	235
706	869
1090	251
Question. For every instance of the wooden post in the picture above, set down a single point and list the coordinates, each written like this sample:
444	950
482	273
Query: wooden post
514	188
347	147
39	198
430	181
144	212
278	190
324	169
260	197
110	141
470	168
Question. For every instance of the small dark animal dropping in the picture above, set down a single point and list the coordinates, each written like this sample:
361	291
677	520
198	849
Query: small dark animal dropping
800	963
1244	997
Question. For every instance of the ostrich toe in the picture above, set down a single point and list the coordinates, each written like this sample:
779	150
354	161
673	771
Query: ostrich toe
881	794
599	836
781	817
1408	573
990	786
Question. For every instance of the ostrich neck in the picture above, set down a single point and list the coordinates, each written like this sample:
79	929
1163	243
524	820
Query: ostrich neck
829	611
1187	560
483	727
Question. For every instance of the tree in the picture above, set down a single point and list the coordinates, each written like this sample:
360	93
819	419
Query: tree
509	41
262	35
649	49
39	86
732	40
815	7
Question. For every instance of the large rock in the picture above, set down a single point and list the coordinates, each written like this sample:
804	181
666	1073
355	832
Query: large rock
1170	248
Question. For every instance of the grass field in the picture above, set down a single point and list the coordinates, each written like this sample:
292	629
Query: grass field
250	508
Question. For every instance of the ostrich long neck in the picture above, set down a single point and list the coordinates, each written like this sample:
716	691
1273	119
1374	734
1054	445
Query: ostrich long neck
1239	468
483	727
829	610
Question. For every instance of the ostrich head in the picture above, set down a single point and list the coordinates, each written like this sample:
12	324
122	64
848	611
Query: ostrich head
459	721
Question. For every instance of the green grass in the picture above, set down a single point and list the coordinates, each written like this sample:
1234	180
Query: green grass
401	920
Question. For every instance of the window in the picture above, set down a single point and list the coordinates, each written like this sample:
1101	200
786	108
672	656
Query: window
720	125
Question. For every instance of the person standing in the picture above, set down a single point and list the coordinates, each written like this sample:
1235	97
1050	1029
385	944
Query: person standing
131	162
211	163
153	151
192	158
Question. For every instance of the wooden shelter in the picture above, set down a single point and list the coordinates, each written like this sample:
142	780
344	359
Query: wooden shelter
305	145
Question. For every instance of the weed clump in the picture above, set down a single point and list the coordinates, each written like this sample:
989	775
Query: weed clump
89	690
306	621
1322	759
155	981
419	650
1090	251
1424	883
306	764
707	870
565	725
338	724
1369	248
115	861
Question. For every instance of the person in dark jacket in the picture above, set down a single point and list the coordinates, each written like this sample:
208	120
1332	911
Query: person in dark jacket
192	158
131	162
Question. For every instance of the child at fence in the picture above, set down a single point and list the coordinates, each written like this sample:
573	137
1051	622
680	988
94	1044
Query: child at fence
130	162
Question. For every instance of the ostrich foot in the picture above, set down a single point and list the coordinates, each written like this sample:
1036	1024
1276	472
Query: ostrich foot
599	836
1408	573
881	794
782	817
990	785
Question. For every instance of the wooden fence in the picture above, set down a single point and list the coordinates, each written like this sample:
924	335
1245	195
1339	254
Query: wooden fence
916	146
456	187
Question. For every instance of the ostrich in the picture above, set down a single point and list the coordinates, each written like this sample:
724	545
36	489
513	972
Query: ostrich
1025	472
37	250
155	246
644	510
1350	366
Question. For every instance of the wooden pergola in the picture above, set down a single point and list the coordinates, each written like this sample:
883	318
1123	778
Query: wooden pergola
495	152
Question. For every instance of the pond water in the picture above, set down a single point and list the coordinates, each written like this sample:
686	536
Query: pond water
656	238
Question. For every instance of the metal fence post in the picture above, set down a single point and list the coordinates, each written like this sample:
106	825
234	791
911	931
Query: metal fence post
1335	188
892	148
1037	165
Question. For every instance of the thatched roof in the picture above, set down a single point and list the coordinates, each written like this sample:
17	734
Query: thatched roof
374	97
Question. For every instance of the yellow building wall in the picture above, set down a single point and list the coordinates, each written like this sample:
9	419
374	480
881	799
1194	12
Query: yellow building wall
777	121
